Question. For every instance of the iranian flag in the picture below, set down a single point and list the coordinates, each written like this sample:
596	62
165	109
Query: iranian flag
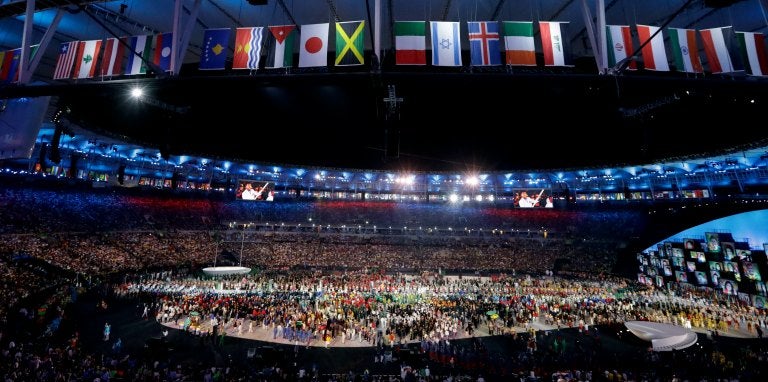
410	43
753	52
518	42
716	49
654	55
85	62
619	41
685	50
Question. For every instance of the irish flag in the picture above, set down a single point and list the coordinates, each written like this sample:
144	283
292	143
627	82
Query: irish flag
518	42
410	43
654	55
716	49
753	52
685	50
553	43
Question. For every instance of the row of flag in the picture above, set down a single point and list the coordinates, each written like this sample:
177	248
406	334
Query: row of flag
717	43
79	59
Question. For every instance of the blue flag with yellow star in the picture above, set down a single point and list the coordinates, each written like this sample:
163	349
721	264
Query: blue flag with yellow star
215	47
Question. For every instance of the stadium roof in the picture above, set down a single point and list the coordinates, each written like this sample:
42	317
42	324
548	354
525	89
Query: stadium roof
446	118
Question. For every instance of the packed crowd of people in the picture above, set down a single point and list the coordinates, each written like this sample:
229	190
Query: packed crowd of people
496	272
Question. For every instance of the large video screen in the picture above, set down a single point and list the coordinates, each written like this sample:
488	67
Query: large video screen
534	198
255	190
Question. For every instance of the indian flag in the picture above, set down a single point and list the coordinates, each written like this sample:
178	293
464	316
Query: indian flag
410	43
685	50
518	41
753	52
654	55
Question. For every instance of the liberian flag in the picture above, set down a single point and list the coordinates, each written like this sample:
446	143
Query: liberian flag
163	50
553	44
518	41
410	43
654	54
753	52
716	49
446	43
280	42
685	50
67	54
619	41
141	46
314	45
112	62
85	62
247	48
484	43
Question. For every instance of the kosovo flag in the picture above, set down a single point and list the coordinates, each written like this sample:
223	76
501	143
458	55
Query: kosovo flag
349	43
215	46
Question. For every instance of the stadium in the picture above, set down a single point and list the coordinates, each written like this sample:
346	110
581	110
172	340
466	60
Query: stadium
226	190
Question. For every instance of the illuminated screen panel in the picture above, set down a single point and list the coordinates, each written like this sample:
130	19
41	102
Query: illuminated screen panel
255	190
534	198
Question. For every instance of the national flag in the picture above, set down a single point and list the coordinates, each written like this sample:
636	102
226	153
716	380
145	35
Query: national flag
553	44
141	46
66	60
685	50
518	42
446	43
349	43
752	46
10	69
112	61
163	50
248	43
280	44
484	46
85	62
654	54
619	41
716	42
215	44
410	43
314	45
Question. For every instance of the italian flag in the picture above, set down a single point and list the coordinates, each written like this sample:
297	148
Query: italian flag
518	42
716	50
654	54
685	50
619	41
753	52
410	43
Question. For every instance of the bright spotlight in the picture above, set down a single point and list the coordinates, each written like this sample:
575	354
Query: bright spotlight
137	92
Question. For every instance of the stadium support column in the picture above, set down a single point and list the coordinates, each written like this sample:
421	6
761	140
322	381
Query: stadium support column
391	124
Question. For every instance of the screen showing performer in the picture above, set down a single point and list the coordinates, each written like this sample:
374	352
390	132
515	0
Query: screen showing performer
534	198
254	190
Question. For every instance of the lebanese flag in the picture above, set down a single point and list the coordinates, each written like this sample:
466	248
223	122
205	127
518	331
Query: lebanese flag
619	41
685	50
753	52
410	43
716	49
314	45
85	62
654	54
552	43
112	62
